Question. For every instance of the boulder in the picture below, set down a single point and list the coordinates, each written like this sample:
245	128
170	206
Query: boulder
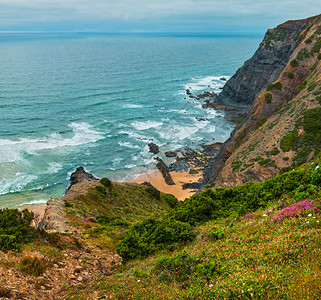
170	153
153	148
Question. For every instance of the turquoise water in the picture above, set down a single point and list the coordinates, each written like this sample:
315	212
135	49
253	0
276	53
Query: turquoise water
98	100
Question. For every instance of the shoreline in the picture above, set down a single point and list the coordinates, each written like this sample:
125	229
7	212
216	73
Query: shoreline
157	180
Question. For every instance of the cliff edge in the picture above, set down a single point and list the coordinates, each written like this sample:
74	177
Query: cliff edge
282	82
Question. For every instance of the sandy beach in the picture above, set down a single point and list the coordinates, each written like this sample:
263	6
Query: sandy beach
157	180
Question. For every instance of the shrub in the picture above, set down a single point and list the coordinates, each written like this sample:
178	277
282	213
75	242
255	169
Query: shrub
217	234
319	56
5	293
285	170
275	151
260	123
294	63
268	97
290	75
309	39
184	267
312	86
287	141
15	228
105	182
239	200
31	266
316	47
304	53
276	85
154	192
170	199
145	238
318	31
101	190
303	85
104	219
316	176
296	37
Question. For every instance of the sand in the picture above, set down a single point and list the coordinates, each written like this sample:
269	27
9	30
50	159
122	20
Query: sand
157	180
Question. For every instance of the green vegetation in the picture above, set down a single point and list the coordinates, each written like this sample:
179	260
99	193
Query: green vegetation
240	120
153	192
296	37
319	56
306	142
316	47
268	97
105	182
318	30
276	86
275	151
145	238
309	39
294	63
128	202
260	123
15	228
279	35
290	75
303	85
304	53
312	86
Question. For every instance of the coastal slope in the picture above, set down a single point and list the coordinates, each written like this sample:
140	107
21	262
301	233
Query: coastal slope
281	128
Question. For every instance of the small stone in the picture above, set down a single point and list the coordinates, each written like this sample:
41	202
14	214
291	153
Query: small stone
55	265
80	278
42	287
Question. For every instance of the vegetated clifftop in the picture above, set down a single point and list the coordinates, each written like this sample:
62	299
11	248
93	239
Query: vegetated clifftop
282	129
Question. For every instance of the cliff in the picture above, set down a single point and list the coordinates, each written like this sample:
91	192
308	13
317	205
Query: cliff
282	84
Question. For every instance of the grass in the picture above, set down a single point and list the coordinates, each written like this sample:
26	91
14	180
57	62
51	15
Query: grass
257	258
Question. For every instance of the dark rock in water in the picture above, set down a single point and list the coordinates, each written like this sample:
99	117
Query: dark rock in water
146	183
80	175
201	119
191	185
153	148
212	147
207	95
188	92
181	164
170	153
223	79
165	171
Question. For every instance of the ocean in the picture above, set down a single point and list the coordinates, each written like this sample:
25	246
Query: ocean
97	100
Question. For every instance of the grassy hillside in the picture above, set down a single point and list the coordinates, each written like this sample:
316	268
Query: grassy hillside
239	251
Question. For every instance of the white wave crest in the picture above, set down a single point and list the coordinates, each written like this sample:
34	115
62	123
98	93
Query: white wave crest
204	83
146	125
13	150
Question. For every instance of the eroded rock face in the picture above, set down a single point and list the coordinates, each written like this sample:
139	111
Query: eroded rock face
80	175
247	154
265	66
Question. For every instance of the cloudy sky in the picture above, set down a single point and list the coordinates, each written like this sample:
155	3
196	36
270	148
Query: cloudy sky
151	15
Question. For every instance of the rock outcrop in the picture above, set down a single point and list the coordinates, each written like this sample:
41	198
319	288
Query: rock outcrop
162	167
80	175
266	64
284	84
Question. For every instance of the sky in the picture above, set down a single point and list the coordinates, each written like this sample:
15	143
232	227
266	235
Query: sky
151	15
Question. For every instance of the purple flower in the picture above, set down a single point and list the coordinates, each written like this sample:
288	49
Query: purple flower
295	208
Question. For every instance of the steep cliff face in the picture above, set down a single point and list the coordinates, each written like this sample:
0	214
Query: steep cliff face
282	129
266	64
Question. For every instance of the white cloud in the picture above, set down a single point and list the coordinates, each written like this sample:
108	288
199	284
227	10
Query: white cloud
19	12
